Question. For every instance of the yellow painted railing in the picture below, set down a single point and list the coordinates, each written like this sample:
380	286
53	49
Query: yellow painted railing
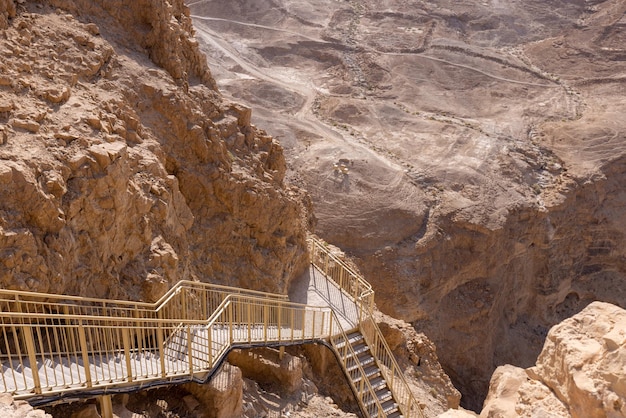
144	347
363	295
51	345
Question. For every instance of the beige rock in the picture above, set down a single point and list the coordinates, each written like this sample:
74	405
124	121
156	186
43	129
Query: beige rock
7	11
512	393
57	94
584	362
457	413
26	124
264	365
222	396
139	189
580	372
19	409
6	106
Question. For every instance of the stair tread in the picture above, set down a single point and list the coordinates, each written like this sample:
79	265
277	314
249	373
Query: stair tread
394	414
355	364
352	339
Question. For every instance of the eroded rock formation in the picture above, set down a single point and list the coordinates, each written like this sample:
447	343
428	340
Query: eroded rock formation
581	371
122	170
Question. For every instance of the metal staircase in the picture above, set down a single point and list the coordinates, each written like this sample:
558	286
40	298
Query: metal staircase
357	357
56	347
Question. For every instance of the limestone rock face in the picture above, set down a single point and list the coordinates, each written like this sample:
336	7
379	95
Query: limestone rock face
512	393
581	371
584	362
222	397
18	409
265	366
122	169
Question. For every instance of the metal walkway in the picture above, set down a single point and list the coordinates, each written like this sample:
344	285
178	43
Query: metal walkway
56	348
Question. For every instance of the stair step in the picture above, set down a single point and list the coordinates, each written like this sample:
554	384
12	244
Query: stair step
394	413
352	364
389	405
360	348
377	382
384	394
362	357
353	338
384	398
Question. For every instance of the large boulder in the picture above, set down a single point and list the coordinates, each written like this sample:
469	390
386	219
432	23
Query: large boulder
580	373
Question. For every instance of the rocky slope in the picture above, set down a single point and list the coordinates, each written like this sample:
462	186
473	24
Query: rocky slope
483	154
122	169
579	373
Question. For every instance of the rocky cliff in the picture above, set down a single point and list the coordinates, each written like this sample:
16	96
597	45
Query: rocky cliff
579	373
122	169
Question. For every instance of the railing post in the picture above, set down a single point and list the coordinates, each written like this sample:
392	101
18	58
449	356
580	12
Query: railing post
265	315
210	345
32	357
250	322
230	321
83	348
330	325
293	324
126	342
279	307
190	349
161	343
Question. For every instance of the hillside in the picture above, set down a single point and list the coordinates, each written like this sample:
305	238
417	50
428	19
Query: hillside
483	151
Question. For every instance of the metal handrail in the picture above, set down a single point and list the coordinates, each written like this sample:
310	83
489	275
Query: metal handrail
375	340
344	354
143	347
46	302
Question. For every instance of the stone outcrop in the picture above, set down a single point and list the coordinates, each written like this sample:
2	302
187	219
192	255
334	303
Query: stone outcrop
18	409
122	170
265	366
581	371
513	394
222	397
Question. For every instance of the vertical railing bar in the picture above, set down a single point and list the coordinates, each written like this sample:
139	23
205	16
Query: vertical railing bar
6	344
85	355
126	344
190	349
18	305
32	356
250	321
42	352
161	344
